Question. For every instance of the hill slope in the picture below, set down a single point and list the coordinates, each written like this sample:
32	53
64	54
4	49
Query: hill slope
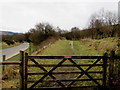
82	47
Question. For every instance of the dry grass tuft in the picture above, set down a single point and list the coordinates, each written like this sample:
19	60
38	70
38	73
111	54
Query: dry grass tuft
10	77
10	73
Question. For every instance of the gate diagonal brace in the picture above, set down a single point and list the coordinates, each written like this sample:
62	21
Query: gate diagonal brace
48	73
83	72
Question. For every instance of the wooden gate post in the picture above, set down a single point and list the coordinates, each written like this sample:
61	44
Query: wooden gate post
25	63
4	57
111	67
105	69
30	48
22	70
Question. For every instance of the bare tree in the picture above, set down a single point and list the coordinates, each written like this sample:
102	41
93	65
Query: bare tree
101	19
41	32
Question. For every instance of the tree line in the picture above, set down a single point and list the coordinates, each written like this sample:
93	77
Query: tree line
36	35
102	24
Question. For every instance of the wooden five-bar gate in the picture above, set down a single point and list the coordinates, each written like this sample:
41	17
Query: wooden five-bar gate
28	61
51	72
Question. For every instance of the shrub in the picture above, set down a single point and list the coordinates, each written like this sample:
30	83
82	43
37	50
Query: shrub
9	42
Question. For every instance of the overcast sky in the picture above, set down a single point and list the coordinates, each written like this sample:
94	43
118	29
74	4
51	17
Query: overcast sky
21	15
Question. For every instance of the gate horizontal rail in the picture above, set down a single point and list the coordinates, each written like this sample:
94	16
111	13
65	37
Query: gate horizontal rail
40	73
64	80
10	63
73	57
65	65
61	57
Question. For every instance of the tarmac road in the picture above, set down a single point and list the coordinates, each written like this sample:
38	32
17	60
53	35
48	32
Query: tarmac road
10	52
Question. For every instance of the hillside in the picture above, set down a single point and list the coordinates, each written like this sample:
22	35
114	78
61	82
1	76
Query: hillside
7	33
82	47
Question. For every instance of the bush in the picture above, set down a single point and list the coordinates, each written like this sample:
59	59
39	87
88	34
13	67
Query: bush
9	42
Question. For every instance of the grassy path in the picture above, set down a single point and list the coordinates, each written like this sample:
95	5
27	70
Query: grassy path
61	47
66	47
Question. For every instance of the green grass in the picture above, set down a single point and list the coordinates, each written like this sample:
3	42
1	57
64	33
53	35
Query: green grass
95	47
61	47
33	47
89	48
82	48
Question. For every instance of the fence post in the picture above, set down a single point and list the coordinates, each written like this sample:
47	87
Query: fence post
4	57
105	69
25	63
22	70
111	67
30	48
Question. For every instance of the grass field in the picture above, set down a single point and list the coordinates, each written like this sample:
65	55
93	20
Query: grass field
63	47
84	47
